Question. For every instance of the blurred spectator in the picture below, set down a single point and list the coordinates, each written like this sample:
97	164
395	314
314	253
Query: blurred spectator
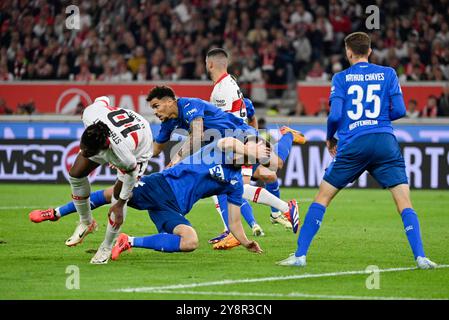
4	109
252	75
26	108
137	60
5	75
317	73
323	108
443	103
123	74
273	111
301	16
299	110
412	113
430	110
171	38
84	74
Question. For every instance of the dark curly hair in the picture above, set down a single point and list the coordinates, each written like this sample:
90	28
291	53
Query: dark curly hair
160	92
95	136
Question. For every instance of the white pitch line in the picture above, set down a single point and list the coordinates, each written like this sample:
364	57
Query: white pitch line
266	279
17	207
283	295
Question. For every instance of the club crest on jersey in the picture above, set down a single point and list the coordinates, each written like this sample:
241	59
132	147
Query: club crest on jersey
190	112
217	173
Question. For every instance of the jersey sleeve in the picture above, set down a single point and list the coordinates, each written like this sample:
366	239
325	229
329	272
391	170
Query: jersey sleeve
192	110
235	196
395	87
165	131
337	88
250	111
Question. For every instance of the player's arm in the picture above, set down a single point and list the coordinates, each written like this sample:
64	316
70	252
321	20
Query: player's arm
192	143
253	122
397	105
235	226
336	100
158	147
252	152
128	166
251	113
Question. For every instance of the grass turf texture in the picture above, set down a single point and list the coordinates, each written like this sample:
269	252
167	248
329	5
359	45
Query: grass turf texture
360	228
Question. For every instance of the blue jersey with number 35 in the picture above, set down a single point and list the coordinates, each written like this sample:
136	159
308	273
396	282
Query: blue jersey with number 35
366	91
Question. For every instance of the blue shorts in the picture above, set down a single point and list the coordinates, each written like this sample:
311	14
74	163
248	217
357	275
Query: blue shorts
155	195
377	153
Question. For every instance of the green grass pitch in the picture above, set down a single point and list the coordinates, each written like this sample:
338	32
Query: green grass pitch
361	228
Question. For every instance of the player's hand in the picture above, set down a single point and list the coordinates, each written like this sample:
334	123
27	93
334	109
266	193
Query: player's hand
253	246
117	209
332	146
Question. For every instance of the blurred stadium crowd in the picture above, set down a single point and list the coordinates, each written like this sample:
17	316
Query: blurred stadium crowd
273	42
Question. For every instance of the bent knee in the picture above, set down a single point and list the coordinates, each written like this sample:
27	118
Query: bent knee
189	244
268	178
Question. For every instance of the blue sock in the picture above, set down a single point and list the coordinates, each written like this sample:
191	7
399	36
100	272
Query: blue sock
311	225
247	213
282	148
97	199
412	230
165	242
273	188
223	202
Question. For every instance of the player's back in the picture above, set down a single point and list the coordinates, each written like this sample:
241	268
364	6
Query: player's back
129	130
213	117
366	90
227	96
202	175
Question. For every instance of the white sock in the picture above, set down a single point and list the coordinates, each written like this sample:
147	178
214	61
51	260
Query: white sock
57	213
111	232
263	196
81	198
131	241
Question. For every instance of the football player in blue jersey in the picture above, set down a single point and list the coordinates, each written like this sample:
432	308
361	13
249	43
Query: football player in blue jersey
169	196
364	99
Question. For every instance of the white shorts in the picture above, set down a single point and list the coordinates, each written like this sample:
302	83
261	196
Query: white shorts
141	166
247	171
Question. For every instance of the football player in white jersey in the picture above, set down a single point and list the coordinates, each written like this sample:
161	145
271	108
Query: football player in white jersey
116	136
227	95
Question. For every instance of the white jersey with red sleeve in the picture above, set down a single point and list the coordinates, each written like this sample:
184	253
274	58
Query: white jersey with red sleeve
130	141
227	96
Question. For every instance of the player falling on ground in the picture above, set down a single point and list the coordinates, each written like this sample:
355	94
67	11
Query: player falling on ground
198	117
206	121
227	96
364	99
170	195
116	136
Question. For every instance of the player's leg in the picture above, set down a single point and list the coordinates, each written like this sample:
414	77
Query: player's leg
97	199
175	235
282	148
80	186
311	224
347	167
270	178
112	231
246	209
289	211
388	168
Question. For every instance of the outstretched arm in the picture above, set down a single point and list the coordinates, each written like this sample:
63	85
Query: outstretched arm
235	226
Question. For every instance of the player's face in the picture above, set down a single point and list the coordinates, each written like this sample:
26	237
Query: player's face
163	108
